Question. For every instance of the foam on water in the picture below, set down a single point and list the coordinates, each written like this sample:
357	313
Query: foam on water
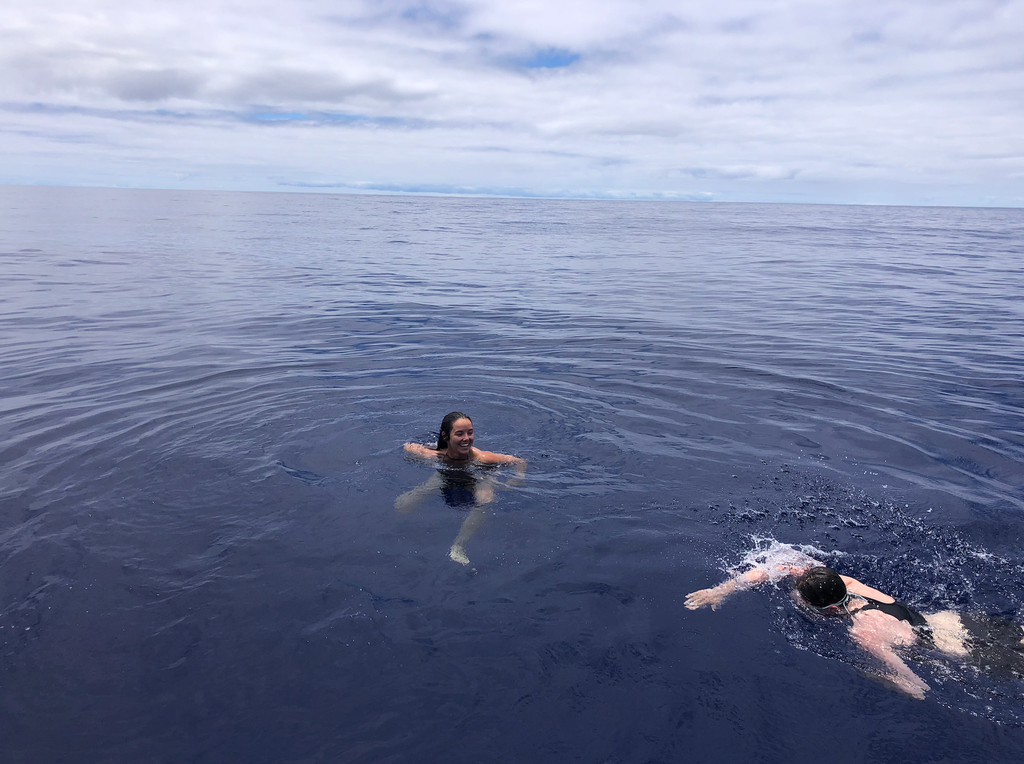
776	558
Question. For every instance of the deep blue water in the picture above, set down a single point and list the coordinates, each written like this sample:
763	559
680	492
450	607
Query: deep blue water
204	400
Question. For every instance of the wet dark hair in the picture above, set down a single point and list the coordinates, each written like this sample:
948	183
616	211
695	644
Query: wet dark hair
821	587
446	428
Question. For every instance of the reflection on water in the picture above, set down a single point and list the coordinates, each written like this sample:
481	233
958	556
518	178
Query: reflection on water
204	401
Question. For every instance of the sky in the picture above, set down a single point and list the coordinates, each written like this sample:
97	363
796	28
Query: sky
917	102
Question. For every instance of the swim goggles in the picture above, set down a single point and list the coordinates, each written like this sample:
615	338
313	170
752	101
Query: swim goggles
841	603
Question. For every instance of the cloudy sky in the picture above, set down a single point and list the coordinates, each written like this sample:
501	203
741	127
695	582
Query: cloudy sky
874	101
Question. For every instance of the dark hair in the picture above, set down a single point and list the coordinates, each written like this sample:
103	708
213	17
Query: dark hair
446	428
821	587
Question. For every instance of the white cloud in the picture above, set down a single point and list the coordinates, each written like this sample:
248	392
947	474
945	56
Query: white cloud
808	100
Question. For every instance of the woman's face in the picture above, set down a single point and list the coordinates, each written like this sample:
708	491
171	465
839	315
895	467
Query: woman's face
460	441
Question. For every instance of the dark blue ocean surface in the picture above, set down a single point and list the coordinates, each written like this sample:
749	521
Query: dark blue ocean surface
204	400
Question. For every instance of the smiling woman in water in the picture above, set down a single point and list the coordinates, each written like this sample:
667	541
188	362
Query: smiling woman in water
459	486
455	445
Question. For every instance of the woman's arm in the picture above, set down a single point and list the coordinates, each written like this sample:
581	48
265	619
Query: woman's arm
422	451
716	594
489	457
750	579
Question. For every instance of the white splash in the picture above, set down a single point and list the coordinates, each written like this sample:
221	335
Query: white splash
777	559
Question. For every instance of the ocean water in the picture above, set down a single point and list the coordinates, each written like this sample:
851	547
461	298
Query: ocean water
204	401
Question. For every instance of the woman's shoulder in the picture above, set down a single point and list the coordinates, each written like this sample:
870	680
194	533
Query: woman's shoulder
856	587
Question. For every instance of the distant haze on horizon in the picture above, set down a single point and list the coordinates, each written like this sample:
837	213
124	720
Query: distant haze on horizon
902	102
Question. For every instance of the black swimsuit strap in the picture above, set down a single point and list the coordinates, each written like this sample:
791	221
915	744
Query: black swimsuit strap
897	610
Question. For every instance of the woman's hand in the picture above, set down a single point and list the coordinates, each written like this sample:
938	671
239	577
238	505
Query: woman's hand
713	597
417	450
